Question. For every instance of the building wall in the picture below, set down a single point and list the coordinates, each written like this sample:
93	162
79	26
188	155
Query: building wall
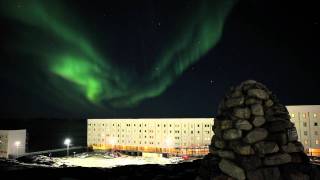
3	144
9	138
14	137
149	135
167	133
307	121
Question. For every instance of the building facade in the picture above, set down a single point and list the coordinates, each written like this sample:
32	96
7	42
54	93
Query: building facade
12	143
190	136
307	122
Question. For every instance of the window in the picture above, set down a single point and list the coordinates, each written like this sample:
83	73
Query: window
304	115
315	115
316	133
191	132
198	132
158	125
198	125
292	115
305	133
315	124
317	141
304	124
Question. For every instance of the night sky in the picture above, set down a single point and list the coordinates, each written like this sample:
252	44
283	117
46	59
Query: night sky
152	58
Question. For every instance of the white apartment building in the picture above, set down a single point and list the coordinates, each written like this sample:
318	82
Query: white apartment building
12	143
307	122
186	135
163	135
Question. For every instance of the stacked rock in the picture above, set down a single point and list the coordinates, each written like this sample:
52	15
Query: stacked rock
254	136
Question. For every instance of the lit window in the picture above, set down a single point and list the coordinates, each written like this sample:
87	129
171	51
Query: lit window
314	115
292	115
304	115
317	141
304	124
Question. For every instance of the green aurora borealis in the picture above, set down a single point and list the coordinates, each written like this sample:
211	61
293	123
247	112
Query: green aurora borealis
85	73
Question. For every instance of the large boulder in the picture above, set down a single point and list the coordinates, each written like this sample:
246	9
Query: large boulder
256	135
232	169
277	159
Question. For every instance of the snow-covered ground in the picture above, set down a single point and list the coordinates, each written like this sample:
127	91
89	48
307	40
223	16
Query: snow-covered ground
99	160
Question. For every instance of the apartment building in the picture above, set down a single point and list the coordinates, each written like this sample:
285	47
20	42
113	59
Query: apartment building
189	136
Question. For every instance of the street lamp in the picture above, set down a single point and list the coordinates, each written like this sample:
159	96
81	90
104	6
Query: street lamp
17	144
67	142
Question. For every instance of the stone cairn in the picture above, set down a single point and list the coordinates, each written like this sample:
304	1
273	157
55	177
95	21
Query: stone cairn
254	138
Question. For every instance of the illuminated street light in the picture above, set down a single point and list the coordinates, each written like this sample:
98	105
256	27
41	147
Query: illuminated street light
67	142
17	144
